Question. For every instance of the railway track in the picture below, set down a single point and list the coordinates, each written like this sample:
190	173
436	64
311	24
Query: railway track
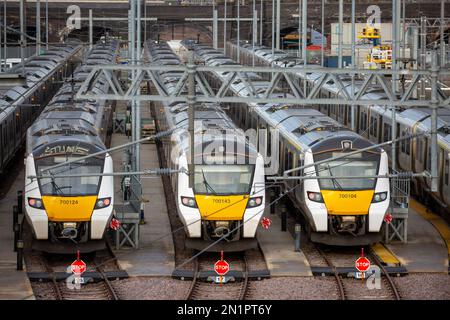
202	290
350	288
340	283
61	289
389	282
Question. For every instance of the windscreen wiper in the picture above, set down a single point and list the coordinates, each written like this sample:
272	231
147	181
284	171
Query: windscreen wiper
335	182
207	185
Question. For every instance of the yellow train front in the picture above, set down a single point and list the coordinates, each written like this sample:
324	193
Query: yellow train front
226	203
68	207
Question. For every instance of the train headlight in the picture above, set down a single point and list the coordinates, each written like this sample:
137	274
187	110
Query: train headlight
379	196
189	202
254	202
35	203
102	203
315	196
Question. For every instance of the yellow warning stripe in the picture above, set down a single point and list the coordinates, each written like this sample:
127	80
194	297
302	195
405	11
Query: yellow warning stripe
385	255
440	225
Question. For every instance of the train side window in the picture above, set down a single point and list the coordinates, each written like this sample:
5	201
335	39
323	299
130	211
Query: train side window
288	161
402	143
269	142
387	132
447	168
407	144
419	150
374	126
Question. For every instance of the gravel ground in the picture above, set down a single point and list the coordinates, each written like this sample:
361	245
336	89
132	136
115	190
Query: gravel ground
431	286
298	288
151	288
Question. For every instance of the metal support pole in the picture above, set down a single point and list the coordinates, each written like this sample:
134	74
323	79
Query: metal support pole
353	106
133	62
434	108
299	29
395	43
38	27
238	52
273	26
138	103
272	199
19	201
255	31
298	232
443	60
20	250
353	34
423	53
22	35
261	23
283	218
304	30
322	49
225	28
4	32
340	34
215	29
278	24
145	20
404	29
91	39
393	137
46	24
16	228
191	114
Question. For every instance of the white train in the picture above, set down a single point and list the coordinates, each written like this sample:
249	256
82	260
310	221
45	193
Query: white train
68	212
338	211
228	195
375	123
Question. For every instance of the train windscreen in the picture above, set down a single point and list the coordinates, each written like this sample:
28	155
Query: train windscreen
73	179
223	179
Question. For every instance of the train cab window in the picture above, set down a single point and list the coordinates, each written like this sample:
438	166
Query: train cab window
447	168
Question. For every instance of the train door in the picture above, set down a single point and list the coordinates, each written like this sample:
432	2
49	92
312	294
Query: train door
380	129
373	128
445	187
299	189
1	147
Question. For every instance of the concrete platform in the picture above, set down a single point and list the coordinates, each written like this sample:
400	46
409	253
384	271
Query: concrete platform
156	255
426	250
278	248
14	285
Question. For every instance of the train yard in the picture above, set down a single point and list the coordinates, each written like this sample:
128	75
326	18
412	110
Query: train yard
165	164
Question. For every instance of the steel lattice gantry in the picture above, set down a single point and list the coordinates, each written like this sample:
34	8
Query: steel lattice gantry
195	76
292	94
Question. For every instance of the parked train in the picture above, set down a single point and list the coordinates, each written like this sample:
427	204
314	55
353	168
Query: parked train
228	194
69	207
21	104
375	123
339	211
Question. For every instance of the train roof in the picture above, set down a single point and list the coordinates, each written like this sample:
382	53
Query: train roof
305	128
66	118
